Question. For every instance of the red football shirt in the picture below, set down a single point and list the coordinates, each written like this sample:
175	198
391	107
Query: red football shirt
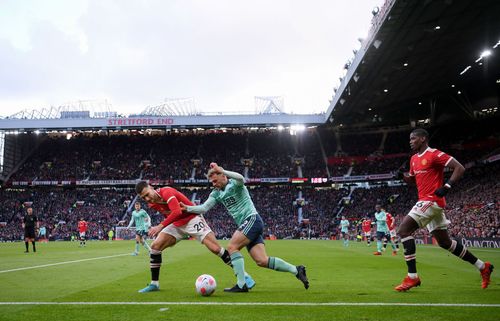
82	226
428	169
390	221
366	225
172	209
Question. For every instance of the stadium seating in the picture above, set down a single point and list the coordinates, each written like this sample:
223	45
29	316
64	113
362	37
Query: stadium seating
473	204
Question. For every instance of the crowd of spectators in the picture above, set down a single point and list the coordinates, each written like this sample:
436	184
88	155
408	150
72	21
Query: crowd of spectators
264	153
473	203
473	208
59	210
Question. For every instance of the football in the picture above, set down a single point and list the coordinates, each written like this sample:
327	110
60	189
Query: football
205	285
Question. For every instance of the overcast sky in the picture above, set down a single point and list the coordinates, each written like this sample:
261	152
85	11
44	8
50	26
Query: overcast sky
135	54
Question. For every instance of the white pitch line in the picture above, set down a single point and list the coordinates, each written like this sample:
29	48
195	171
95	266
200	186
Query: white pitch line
61	263
265	304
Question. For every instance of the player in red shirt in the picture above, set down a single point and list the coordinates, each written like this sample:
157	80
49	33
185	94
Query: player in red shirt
366	226
392	232
174	227
82	229
426	171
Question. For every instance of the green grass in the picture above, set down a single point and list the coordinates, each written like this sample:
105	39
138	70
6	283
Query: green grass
336	274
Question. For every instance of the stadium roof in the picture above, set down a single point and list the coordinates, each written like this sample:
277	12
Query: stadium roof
425	61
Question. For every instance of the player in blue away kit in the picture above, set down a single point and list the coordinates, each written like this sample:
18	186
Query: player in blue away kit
344	228
142	223
382	229
230	190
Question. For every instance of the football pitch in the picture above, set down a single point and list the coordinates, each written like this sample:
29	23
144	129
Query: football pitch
99	282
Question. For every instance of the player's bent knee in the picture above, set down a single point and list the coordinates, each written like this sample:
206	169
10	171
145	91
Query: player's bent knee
155	246
262	262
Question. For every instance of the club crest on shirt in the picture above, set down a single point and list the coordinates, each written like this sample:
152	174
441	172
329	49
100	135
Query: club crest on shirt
424	161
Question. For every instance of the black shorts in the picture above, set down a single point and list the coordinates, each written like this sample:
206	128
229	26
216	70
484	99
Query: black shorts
29	233
141	233
253	228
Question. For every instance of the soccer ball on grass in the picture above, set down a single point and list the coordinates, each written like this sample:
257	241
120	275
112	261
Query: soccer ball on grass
205	285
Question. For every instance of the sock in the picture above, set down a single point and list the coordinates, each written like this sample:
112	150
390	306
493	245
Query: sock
34	247
479	264
385	243
368	241
136	247
379	246
224	255
157	283
393	246
277	264
397	243
238	268
459	250
26	244
410	254
155	264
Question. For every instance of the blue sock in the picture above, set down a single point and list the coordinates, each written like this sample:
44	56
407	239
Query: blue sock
238	268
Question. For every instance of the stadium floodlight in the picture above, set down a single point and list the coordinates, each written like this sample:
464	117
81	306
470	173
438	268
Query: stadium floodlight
437	27
405	64
37	132
465	70
280	127
497	44
485	53
298	128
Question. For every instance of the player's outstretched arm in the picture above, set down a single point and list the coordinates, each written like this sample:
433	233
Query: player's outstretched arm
131	221
216	168
202	208
236	176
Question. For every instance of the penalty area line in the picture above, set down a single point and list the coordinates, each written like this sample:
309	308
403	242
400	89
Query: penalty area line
312	304
61	263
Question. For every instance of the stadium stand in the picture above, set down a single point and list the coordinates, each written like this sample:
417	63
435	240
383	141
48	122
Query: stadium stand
473	205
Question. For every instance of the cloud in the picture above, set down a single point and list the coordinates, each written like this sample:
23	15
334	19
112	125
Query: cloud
137	53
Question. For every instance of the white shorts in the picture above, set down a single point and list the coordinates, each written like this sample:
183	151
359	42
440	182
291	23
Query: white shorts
368	233
197	228
429	214
392	233
82	234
